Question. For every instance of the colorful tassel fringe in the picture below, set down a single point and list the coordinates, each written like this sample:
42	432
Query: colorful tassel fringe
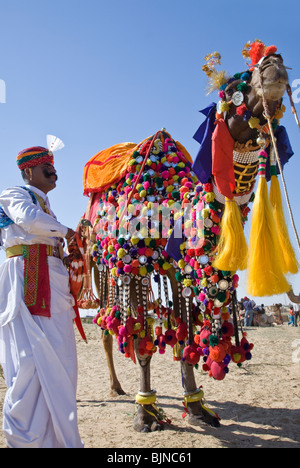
232	246
288	257
265	273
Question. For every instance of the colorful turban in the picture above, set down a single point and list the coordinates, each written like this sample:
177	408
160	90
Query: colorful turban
34	156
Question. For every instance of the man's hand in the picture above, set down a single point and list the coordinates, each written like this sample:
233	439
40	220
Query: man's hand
67	261
70	234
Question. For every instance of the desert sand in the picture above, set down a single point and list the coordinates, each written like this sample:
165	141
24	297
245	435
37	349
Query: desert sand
259	404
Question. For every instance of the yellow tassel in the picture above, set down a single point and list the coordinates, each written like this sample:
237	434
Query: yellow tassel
232	246
288	257
265	275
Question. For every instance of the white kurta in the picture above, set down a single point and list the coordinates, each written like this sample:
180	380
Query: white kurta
38	354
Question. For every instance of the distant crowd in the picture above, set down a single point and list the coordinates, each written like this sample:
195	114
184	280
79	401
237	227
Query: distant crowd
251	314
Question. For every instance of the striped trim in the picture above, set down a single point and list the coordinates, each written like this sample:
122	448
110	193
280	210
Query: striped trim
34	160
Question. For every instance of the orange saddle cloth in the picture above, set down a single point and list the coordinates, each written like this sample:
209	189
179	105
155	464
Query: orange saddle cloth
107	167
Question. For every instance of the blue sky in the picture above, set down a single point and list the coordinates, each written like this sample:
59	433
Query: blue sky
96	73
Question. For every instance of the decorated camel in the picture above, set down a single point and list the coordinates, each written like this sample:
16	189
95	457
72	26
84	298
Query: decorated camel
165	235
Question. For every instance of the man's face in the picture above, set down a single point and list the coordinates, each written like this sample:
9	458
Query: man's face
44	177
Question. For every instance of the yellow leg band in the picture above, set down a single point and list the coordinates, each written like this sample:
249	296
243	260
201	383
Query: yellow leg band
145	400
198	395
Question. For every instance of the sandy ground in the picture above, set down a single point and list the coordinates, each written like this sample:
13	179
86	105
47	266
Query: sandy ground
259	404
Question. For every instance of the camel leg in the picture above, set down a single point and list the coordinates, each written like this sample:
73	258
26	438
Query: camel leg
197	414
146	416
115	386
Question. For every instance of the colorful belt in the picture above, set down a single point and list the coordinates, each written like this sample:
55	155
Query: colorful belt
37	294
18	250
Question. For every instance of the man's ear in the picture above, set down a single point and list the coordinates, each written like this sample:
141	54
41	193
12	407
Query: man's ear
28	173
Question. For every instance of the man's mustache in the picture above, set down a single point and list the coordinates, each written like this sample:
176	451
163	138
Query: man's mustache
49	174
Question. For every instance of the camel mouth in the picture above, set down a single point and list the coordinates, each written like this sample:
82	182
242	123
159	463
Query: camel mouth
275	91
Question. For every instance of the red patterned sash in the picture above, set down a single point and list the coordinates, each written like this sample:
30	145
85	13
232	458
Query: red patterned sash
37	292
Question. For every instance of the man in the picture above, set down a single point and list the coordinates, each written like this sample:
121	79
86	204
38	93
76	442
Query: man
249	311
296	313
37	341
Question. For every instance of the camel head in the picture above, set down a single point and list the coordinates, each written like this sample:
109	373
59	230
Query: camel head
244	96
272	72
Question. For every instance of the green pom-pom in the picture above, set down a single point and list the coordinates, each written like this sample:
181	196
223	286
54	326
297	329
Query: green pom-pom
221	296
242	87
178	276
213	340
159	181
237	76
176	195
152	243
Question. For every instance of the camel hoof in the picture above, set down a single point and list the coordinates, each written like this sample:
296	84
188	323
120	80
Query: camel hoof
198	416
115	392
200	420
145	422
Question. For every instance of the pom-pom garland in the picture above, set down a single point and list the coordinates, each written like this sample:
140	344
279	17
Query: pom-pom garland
132	258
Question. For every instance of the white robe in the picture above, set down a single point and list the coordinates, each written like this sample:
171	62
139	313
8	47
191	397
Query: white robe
38	354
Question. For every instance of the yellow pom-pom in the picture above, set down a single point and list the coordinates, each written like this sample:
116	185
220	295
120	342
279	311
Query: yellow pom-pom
254	122
187	282
121	253
143	271
209	197
224	106
205	213
204	282
130	208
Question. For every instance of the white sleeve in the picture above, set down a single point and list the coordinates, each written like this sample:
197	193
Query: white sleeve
19	207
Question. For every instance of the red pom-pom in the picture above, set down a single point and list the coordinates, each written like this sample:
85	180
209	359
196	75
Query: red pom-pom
241	110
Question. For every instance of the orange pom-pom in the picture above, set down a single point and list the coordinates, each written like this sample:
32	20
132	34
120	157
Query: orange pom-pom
270	50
